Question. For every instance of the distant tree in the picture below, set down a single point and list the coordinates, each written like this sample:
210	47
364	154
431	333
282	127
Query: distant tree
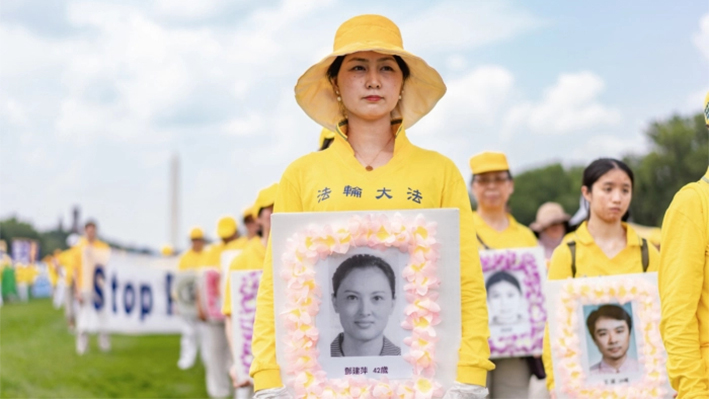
548	183
679	154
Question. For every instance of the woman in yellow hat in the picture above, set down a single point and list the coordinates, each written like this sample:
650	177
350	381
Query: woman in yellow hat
191	259
684	287
368	91
604	244
492	186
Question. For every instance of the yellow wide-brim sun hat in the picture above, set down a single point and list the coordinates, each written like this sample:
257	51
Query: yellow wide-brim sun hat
266	198
226	227
488	161
422	90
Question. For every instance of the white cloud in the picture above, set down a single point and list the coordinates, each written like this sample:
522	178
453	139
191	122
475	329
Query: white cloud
472	99
701	38
457	26
570	105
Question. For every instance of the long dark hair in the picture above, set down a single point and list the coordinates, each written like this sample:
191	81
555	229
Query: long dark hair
600	167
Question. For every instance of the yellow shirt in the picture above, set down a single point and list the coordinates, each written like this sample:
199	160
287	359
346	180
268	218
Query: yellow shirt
333	180
251	259
214	252
684	290
77	266
514	236
26	274
191	259
591	261
66	260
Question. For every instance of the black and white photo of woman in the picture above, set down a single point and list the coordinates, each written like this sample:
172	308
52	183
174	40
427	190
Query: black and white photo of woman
364	297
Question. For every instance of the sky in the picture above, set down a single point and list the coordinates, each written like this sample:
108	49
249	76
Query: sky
97	96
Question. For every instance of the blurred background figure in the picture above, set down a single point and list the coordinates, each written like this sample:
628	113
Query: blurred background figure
250	223
167	251
213	343
83	290
191	259
496	228
251	258
550	226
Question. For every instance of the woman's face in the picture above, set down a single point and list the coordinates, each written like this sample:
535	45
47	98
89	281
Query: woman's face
555	231
610	196
504	299
364	302
493	189
264	219
369	84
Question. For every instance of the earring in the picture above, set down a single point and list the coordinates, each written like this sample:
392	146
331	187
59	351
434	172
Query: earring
399	96
340	98
338	95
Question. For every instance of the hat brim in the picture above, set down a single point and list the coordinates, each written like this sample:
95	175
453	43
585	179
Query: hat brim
538	227
422	90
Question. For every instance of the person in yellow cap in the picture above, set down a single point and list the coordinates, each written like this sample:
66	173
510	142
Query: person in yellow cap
250	223
604	244
369	91
215	347
326	138
684	287
251	259
66	261
83	289
492	186
167	250
191	259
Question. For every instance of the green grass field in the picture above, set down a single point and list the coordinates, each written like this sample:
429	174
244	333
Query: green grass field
38	360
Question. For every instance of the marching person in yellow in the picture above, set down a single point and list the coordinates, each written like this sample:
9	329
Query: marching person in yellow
66	261
214	346
369	91
251	259
604	244
250	223
192	259
83	288
492	186
684	287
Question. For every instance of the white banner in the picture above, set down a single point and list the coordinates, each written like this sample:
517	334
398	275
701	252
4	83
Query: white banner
132	294
244	287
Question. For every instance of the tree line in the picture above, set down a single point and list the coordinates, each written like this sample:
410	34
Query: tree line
678	154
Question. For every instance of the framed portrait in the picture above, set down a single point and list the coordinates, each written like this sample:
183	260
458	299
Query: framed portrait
210	294
605	337
244	288
358	301
515	300
185	293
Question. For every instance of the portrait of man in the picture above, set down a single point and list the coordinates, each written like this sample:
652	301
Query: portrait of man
364	298
610	326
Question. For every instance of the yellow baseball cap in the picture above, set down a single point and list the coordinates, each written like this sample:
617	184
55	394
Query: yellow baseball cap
706	109
316	96
166	250
488	161
266	198
196	233
248	212
226	227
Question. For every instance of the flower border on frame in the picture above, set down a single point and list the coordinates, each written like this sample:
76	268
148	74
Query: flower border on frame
573	380
304	249
248	287
525	343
